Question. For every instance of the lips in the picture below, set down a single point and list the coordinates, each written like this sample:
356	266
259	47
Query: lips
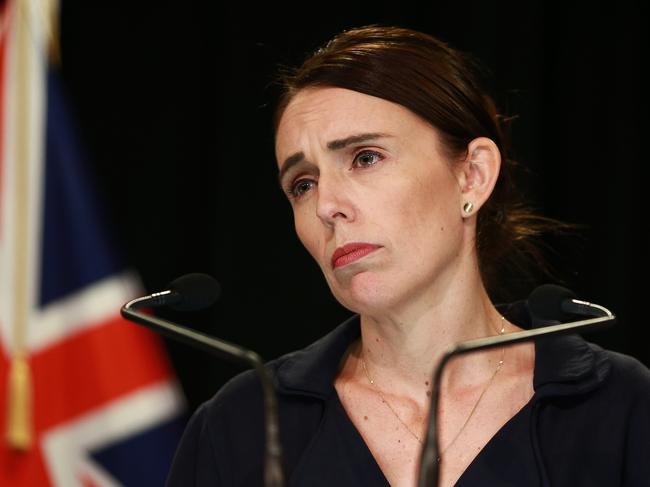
351	252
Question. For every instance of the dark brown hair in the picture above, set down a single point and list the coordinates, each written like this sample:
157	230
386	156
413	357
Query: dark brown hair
445	88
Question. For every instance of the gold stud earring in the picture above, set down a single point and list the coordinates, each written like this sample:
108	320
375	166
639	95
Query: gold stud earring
468	207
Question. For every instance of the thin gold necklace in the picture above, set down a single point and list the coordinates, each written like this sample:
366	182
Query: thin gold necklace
383	399
471	413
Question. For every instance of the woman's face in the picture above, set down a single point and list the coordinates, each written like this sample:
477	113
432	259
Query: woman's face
374	199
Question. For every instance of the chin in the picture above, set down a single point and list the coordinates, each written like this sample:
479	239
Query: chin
365	294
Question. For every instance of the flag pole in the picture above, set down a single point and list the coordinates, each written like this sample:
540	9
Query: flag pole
19	411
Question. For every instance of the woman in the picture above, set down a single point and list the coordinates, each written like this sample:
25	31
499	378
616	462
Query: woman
392	158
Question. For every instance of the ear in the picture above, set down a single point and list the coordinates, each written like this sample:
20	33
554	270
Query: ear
478	174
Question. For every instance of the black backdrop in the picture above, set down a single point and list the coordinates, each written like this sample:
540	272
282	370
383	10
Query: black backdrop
173	102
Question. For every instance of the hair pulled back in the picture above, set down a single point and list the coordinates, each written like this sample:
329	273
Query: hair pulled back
444	87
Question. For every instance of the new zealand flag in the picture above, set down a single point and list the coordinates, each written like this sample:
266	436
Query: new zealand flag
86	399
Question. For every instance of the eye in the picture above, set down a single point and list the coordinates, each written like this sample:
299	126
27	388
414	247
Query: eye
366	158
300	187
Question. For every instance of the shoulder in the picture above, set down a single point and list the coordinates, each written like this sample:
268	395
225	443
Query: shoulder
624	372
625	413
239	403
242	394
622	395
626	390
224	439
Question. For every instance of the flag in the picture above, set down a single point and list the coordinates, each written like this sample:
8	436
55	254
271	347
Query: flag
86	399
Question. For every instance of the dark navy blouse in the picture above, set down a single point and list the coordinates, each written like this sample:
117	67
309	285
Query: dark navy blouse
588	424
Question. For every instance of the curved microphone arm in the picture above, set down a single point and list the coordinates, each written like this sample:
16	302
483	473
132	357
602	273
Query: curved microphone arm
273	471
429	460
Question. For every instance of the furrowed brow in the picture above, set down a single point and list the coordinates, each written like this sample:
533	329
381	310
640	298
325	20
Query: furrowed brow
337	144
353	139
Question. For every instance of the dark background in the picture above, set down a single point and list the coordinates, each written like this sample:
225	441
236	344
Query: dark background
174	102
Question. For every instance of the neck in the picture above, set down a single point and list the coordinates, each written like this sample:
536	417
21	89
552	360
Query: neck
403	347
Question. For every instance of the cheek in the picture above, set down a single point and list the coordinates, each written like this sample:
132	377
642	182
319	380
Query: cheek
307	232
426	214
415	203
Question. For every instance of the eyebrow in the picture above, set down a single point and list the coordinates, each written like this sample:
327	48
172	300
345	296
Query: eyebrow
337	144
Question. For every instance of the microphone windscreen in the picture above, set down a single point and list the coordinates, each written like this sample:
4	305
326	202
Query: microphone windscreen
197	291
545	302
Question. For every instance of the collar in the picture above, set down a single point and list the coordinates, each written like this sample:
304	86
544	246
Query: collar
564	364
311	371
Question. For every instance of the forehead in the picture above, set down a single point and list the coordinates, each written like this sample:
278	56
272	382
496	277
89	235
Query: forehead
329	113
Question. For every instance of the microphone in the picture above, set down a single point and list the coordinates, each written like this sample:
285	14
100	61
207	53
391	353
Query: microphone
551	302
187	293
548	302
197	291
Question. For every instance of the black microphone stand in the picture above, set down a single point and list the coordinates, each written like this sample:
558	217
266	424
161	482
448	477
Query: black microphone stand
273	471
429	472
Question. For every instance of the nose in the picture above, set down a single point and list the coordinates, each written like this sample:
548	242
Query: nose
334	204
